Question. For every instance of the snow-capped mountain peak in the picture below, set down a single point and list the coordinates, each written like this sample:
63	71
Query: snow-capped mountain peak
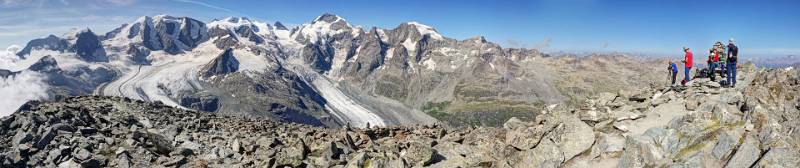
280	26
323	26
73	33
232	22
426	30
327	17
163	17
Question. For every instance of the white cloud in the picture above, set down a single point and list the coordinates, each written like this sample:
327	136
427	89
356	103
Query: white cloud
16	3
229	11
21	88
207	5
8	60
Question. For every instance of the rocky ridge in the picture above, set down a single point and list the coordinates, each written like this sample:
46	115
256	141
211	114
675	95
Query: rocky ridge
702	125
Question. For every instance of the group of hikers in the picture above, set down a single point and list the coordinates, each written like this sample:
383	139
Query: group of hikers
721	60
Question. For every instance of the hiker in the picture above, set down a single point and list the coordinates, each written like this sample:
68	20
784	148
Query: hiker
720	48
673	69
712	64
687	63
733	54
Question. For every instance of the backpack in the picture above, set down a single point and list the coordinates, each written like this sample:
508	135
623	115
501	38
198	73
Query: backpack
734	53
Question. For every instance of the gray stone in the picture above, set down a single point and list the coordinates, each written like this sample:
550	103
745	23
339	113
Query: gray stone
81	154
725	145
780	157
524	138
292	155
418	154
175	162
93	162
514	123
69	164
575	138
358	160
86	131
746	154
237	146
641	151
592	115
45	139
21	137
604	98
546	155
691	103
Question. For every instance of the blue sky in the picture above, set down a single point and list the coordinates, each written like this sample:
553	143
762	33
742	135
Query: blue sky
764	27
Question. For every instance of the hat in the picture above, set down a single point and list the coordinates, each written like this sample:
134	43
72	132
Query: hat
730	41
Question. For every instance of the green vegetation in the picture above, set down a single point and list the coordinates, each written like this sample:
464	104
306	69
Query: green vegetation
436	110
486	113
475	91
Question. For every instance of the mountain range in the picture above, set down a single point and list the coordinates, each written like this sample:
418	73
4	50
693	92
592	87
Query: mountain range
326	72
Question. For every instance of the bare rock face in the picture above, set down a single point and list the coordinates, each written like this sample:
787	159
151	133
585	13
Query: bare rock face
202	102
49	43
45	64
138	54
89	48
225	63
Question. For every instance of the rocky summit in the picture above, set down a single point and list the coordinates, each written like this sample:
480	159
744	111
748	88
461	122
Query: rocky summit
701	125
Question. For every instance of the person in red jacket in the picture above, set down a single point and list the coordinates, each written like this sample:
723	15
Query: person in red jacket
687	61
713	58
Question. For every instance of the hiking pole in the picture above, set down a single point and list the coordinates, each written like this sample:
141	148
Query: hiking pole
669	77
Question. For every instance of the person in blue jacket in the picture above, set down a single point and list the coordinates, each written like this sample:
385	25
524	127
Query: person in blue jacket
733	56
673	68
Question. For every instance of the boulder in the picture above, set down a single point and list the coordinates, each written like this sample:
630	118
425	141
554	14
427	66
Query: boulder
292	155
47	136
692	102
418	154
602	99
357	161
525	138
640	152
592	115
640	97
780	157
21	137
514	123
725	144
546	155
746	154
649	149
574	137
